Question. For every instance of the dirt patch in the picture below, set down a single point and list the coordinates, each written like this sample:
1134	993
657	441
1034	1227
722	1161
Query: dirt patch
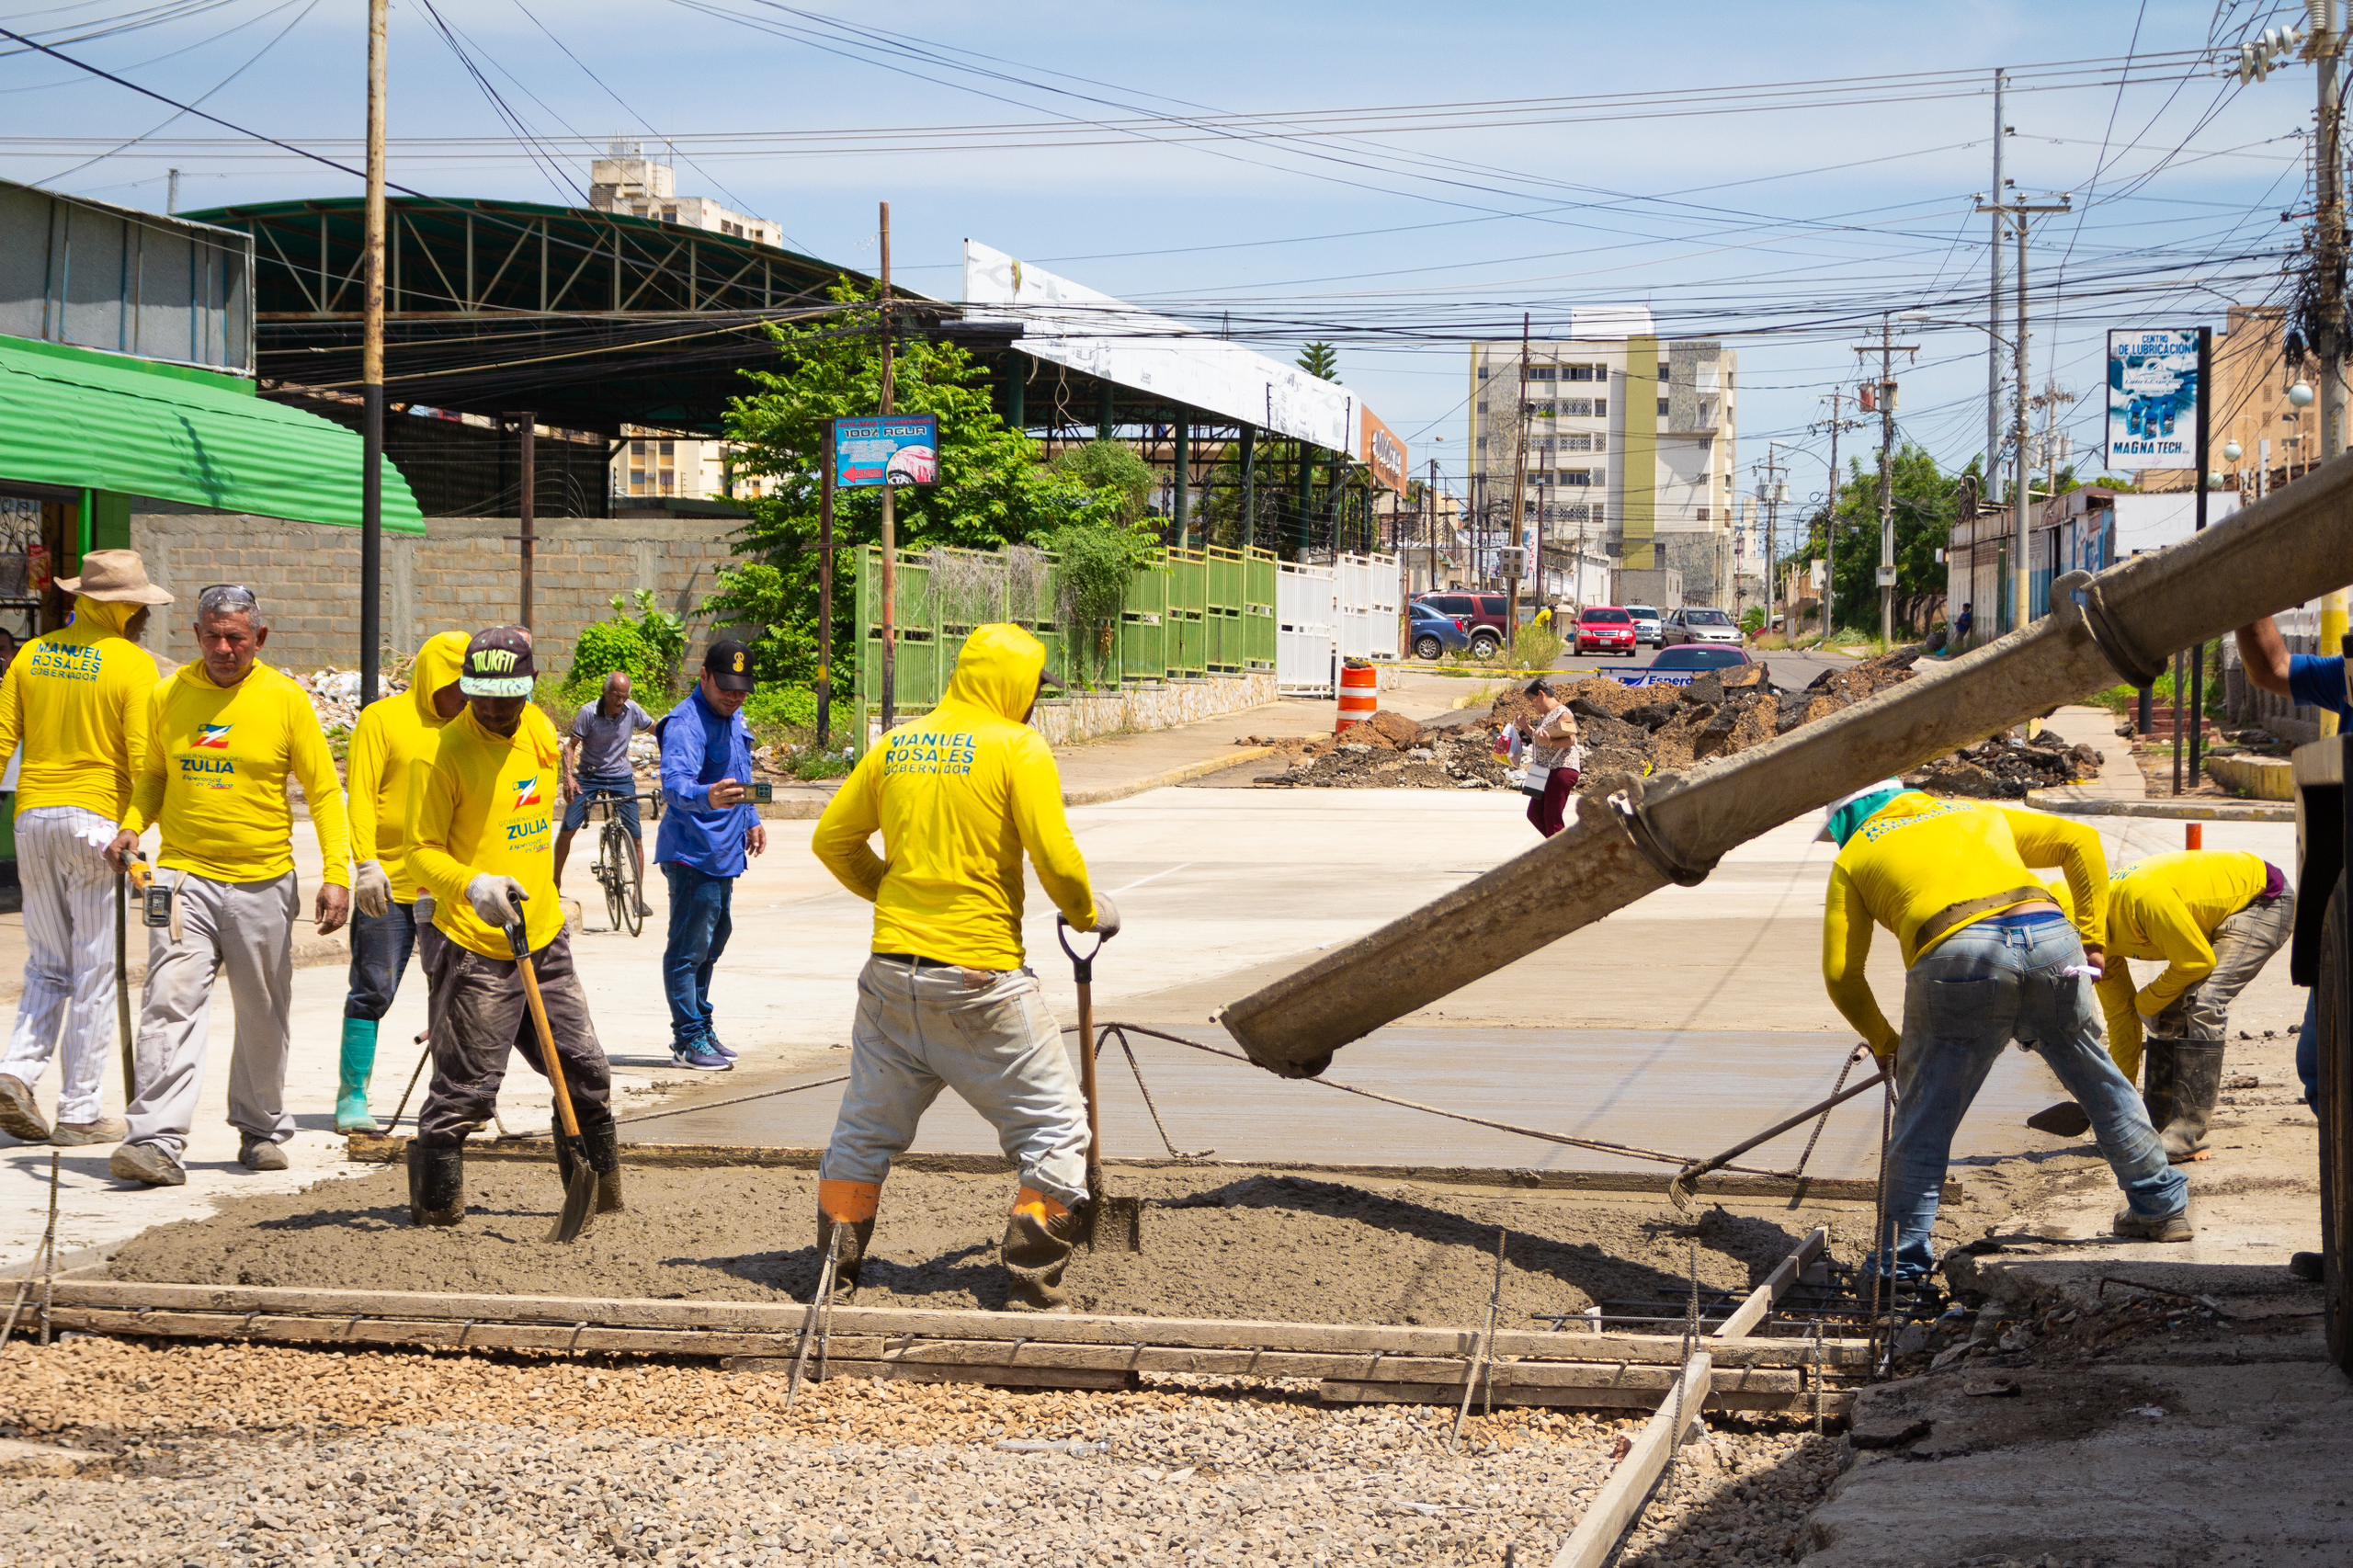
1223	1243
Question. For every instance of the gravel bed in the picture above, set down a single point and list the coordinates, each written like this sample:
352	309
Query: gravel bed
243	1454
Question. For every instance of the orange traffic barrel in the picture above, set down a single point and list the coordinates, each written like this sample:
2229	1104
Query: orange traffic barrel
1360	694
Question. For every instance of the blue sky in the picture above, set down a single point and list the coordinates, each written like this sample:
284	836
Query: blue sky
1782	218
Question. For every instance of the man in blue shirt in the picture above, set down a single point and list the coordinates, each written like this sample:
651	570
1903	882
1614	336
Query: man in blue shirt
2308	680
709	830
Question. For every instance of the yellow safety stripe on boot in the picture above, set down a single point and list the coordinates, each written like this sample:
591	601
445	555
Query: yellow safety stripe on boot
1039	1207
848	1202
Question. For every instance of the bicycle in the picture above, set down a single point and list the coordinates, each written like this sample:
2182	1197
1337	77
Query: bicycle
617	868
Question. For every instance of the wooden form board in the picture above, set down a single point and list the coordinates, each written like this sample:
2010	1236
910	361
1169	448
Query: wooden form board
1620	1501
376	1149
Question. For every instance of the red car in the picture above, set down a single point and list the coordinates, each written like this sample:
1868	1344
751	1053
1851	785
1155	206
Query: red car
1605	628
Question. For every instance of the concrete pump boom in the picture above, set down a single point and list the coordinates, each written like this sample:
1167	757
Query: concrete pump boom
2294	545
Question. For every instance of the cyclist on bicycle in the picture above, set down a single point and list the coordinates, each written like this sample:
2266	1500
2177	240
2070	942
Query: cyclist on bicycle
595	766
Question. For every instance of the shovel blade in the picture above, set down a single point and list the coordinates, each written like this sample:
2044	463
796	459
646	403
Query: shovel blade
579	1204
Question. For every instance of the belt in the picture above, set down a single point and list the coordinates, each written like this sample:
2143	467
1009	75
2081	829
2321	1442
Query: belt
1945	920
915	961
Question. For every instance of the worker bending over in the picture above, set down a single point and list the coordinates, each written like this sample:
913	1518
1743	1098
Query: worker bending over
958	797
227	733
391	746
483	839
2214	917
1990	959
78	700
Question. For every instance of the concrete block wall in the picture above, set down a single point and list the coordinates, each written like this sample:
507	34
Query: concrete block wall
464	573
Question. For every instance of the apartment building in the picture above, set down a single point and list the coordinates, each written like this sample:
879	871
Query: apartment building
1624	440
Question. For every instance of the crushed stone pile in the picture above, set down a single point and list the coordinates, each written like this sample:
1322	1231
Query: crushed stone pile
2006	770
1630	732
335	696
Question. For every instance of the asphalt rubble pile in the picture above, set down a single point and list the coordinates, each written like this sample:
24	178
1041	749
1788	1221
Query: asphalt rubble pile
1631	733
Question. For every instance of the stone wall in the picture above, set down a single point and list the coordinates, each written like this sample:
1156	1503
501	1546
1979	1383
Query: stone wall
463	573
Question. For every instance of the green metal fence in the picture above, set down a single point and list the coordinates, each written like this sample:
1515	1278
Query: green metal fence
1189	614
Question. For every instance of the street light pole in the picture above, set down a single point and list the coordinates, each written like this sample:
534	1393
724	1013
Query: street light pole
371	373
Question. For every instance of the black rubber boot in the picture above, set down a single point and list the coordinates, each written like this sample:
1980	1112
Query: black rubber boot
436	1183
2196	1085
1035	1252
2160	1081
600	1140
850	1259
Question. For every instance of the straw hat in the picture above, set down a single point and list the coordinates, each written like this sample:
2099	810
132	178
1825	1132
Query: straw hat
114	576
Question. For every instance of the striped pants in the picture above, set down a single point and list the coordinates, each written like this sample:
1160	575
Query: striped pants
69	973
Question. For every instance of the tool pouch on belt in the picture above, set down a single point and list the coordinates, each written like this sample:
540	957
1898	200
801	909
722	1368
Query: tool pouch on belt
1954	915
159	906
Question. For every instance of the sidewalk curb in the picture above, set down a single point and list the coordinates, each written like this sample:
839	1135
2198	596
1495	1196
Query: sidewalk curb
1106	793
2165	810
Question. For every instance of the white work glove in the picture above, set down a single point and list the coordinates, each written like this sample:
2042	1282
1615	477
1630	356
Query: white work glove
493	898
371	890
1107	916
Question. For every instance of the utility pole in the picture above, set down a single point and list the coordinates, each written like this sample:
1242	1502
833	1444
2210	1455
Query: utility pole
371	373
1519	488
2022	215
1835	424
171	190
2327	46
1429	493
1888	349
526	503
1769	492
890	518
1994	296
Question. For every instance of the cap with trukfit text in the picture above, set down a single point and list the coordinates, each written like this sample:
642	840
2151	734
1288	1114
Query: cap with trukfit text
498	663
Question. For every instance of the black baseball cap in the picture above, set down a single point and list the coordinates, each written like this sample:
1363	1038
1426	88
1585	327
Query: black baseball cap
498	663
729	663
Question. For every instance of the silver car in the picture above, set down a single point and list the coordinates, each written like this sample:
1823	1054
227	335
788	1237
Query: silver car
1689	626
1648	628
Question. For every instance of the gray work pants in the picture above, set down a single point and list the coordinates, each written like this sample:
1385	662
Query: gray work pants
2243	944
245	929
984	1033
478	1011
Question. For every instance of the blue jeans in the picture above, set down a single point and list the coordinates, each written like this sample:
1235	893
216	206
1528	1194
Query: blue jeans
619	787
2308	1051
380	946
701	923
1983	986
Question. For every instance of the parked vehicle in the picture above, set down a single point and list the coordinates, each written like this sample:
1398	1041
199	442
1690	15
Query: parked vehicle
1686	626
1486	617
1681	666
1433	634
1606	629
1648	627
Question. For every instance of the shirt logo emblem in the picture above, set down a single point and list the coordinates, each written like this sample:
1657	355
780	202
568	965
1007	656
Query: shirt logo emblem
212	738
526	791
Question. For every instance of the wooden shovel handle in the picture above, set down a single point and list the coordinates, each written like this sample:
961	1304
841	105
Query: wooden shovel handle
547	1048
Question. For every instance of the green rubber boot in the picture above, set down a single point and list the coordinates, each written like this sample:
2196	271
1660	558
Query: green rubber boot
351	1089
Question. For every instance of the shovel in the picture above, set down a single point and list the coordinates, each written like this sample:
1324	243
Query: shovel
580	1191
1125	1212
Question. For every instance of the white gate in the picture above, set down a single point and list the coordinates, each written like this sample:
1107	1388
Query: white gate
1326	614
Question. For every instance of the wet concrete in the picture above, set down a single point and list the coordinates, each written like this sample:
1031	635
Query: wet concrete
1686	1093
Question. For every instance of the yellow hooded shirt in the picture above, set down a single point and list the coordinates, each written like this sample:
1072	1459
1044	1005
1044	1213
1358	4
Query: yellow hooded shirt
486	804
393	741
76	700
959	796
1916	857
215	776
2167	907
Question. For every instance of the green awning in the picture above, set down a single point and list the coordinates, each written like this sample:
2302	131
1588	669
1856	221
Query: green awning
91	421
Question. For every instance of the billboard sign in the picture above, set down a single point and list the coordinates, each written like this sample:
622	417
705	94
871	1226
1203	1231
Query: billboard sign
1382	452
2152	394
899	450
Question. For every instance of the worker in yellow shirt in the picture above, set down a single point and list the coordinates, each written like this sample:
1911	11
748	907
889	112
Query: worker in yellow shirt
2213	917
1989	959
391	746
959	796
76	700
228	732
482	845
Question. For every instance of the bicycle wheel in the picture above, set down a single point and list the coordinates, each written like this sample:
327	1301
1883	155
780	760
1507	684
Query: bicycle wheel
627	893
608	876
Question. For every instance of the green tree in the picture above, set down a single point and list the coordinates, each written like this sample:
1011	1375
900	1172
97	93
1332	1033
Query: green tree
1321	360
992	490
1926	503
1113	469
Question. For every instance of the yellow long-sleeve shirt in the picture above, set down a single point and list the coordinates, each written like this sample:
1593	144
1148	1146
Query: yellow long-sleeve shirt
78	700
395	739
959	796
487	805
214	778
2167	907
1918	857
